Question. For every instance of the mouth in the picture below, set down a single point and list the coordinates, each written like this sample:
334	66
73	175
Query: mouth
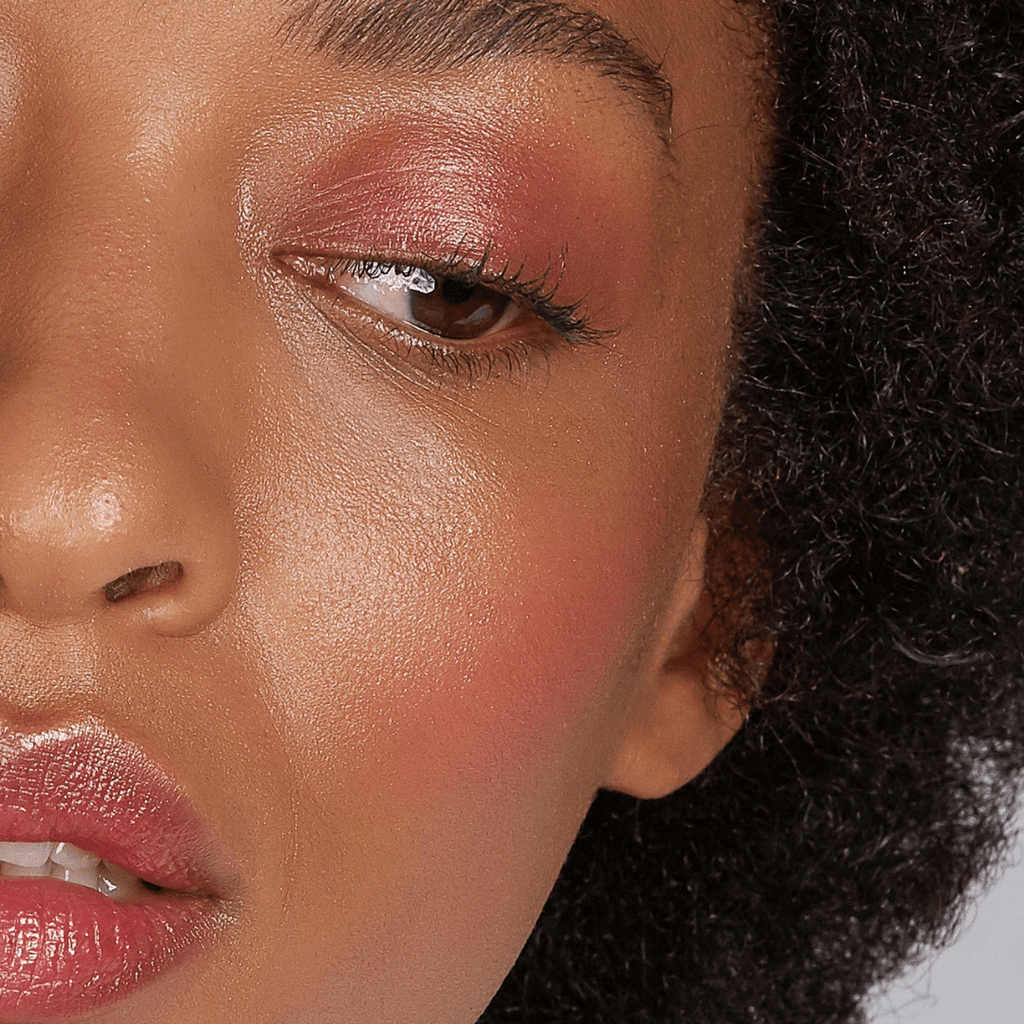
69	863
109	877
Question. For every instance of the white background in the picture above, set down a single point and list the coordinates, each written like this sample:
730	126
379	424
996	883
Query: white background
979	979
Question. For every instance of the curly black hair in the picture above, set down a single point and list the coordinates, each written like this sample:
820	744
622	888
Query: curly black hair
873	437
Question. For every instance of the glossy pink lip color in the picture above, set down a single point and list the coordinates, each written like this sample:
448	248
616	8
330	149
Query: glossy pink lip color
66	950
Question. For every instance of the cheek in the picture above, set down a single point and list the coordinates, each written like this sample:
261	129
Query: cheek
454	620
535	646
449	697
466	653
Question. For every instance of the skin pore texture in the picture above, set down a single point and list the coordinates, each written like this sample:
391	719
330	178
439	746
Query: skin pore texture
416	601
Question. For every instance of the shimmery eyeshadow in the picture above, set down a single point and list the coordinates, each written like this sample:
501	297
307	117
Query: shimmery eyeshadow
432	189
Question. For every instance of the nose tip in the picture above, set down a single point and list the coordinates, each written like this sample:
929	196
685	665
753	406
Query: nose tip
153	545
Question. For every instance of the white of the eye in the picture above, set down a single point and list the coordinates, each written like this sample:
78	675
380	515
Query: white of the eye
390	291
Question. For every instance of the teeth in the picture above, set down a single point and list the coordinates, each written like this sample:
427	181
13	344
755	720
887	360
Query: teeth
80	876
118	883
68	856
26	855
68	863
19	871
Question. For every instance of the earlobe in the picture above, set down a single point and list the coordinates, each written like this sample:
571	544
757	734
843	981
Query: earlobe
681	716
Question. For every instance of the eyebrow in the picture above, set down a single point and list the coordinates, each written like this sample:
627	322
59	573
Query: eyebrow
424	37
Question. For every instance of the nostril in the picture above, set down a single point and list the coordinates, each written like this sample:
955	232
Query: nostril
146	580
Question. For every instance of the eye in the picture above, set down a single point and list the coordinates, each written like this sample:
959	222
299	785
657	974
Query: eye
446	307
458	316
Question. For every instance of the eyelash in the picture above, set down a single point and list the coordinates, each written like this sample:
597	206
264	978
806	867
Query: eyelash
565	323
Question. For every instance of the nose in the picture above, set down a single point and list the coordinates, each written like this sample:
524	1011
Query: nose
107	507
116	454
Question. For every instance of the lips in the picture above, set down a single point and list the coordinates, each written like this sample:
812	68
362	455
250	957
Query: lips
66	948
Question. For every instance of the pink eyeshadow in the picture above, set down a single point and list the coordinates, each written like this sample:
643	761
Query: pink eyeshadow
412	190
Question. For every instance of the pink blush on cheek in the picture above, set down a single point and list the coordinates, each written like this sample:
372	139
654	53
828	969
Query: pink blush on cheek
534	674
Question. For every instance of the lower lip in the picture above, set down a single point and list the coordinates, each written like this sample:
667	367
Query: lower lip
66	950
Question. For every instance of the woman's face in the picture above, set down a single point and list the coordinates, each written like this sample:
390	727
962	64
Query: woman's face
419	566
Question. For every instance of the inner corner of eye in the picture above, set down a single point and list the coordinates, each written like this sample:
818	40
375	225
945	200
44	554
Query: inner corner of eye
311	267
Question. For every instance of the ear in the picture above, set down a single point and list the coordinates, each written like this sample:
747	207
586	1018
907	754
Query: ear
680	716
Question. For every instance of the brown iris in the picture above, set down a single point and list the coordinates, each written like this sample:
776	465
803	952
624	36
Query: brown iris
455	309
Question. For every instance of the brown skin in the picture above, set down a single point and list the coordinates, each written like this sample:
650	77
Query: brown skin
423	618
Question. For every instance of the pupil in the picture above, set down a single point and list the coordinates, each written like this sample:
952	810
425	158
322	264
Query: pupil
455	292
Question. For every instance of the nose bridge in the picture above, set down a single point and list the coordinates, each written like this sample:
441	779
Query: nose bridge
90	272
103	221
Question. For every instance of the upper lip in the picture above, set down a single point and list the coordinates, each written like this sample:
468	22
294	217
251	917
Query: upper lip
86	785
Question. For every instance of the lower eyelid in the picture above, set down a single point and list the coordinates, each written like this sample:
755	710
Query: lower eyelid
539	296
406	349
